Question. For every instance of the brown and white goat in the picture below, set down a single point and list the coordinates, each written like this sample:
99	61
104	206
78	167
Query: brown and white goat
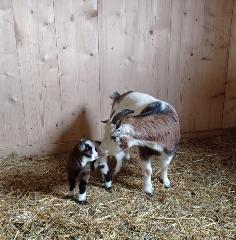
138	119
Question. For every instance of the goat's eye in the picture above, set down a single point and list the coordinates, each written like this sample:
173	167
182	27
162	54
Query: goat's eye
88	148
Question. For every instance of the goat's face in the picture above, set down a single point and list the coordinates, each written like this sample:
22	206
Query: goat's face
115	133
121	132
88	150
108	145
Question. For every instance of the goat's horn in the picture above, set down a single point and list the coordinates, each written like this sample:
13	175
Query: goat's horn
121	113
105	121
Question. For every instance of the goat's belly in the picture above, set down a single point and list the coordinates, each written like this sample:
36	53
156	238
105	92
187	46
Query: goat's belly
152	145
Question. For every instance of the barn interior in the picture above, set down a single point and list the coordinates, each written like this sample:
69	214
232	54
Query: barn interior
60	61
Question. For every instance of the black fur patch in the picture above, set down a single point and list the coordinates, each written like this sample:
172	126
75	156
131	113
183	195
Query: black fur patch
115	95
145	153
92	166
154	108
101	166
121	113
82	186
107	177
88	151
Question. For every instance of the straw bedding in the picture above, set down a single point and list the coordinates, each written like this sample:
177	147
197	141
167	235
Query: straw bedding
201	204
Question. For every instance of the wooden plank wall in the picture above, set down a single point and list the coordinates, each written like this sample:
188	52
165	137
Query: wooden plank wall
61	59
229	117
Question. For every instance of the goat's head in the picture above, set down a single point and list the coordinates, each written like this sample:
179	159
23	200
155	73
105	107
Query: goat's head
88	150
116	132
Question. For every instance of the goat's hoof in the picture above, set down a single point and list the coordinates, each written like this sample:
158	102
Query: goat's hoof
166	186
109	189
150	194
165	183
82	202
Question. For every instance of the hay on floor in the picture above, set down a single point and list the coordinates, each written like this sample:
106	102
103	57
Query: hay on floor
201	203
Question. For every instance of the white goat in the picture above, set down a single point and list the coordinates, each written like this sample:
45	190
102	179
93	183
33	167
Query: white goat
138	119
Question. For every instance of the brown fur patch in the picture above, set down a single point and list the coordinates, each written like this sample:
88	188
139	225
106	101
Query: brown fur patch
162	128
124	143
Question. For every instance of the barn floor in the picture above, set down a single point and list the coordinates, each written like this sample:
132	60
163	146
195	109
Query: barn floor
200	205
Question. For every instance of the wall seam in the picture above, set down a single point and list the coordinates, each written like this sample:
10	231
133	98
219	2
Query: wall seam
227	65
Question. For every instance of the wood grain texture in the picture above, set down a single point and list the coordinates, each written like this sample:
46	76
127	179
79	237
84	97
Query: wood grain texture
77	34
37	53
60	60
12	120
134	47
198	61
229	116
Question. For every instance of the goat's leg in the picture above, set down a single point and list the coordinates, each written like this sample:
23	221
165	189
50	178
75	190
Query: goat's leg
82	187
119	158
165	162
127	155
72	182
146	167
106	176
147	176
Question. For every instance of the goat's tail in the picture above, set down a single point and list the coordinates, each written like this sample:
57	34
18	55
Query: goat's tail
115	95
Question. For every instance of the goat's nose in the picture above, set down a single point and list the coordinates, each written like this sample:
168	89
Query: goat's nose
113	137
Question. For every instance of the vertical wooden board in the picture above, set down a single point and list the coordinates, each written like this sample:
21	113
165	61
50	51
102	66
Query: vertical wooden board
198	46
77	33
134	48
12	123
37	52
229	116
186	31
175	65
111	50
214	49
153	48
218	74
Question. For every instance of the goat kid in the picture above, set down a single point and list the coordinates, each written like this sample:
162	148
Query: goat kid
83	159
148	123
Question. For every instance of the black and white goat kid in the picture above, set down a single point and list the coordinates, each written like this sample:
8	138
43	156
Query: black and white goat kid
83	159
138	119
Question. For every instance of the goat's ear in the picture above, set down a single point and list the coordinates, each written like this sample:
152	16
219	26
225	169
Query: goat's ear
123	112
82	145
105	121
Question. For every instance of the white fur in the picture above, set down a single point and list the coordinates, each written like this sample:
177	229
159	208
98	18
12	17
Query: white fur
95	154
165	161
123	131
109	146
85	160
108	184
82	197
147	174
135	101
127	154
119	158
103	161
